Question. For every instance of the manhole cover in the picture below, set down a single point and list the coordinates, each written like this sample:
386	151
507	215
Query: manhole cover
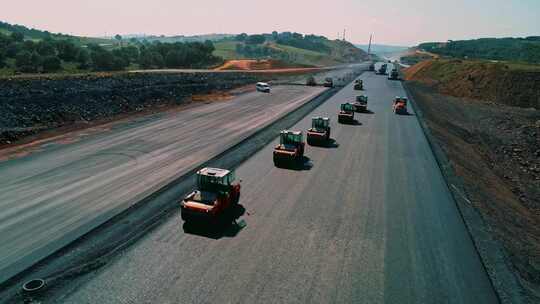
33	285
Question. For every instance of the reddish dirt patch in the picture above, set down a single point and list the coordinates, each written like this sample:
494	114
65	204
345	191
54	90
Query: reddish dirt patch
259	65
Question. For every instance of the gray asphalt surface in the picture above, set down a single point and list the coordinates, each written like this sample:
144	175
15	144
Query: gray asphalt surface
51	197
369	220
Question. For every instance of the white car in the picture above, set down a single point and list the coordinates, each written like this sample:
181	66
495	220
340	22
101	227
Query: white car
263	87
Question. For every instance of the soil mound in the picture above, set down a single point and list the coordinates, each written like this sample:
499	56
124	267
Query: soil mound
509	84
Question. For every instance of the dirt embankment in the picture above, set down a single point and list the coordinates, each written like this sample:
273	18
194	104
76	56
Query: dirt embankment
490	133
414	56
32	105
257	65
501	83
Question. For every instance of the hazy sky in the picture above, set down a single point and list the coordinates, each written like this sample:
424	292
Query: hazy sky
401	22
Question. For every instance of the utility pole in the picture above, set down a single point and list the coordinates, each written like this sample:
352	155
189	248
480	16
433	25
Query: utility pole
369	46
343	34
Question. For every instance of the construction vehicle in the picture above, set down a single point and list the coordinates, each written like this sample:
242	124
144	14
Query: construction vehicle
311	81
328	82
359	84
319	133
393	74
400	105
360	104
215	196
346	113
290	150
382	69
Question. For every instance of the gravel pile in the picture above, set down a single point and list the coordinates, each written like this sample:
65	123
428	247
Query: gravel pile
30	105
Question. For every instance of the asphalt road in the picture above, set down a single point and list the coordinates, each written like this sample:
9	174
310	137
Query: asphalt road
51	197
369	220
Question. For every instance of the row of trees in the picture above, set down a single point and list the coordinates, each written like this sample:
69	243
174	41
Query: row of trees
51	55
307	42
511	49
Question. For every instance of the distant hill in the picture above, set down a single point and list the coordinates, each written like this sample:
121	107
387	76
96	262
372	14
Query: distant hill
180	38
35	34
296	48
26	50
382	48
503	49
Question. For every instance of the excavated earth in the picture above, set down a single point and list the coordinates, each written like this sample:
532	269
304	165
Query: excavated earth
513	85
31	105
495	149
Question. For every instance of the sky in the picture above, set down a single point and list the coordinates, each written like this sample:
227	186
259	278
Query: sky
395	22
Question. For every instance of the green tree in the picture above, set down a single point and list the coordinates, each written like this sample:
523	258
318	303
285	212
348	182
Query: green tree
129	54
29	45
17	37
119	63
118	38
102	60
13	49
176	58
83	59
23	58
145	59
51	64
151	59
157	60
46	47
27	62
255	39
67	50
36	60
241	37
2	59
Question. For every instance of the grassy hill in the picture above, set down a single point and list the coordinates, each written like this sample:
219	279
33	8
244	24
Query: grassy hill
181	38
36	35
503	49
29	51
294	48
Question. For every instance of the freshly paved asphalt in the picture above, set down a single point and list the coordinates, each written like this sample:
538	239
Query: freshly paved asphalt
369	220
50	198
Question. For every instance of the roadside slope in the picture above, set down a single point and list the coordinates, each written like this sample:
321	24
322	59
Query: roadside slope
493	150
504	83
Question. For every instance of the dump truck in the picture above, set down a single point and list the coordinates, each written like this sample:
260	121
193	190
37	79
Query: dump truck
360	103
328	82
393	74
290	150
382	69
319	133
359	84
215	196
400	105
346	113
